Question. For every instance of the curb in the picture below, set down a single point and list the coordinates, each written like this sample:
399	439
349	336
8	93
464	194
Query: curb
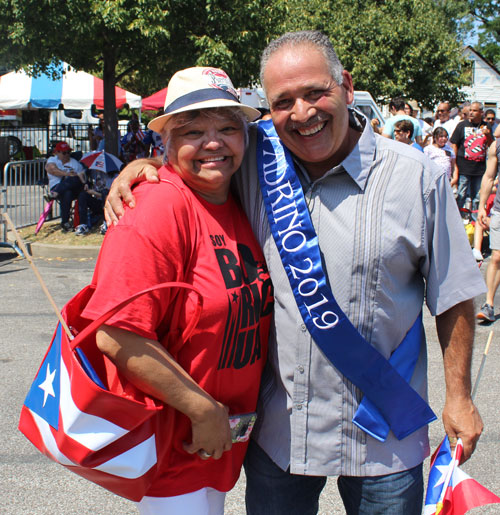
45	250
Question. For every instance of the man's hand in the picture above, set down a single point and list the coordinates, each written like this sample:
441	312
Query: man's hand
482	218
461	419
120	191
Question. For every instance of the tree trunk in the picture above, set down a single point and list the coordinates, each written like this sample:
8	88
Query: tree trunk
110	116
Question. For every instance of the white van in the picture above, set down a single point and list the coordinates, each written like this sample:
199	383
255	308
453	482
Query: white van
71	125
67	116
363	101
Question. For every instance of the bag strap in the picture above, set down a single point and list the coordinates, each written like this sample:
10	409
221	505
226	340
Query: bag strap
94	325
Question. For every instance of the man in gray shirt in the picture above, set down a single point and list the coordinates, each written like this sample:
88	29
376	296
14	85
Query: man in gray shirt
390	234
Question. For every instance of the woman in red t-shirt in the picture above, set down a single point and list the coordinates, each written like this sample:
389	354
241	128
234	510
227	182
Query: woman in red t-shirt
190	229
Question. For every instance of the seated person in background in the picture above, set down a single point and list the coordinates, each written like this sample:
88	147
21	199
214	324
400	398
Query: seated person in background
66	179
442	154
91	200
403	132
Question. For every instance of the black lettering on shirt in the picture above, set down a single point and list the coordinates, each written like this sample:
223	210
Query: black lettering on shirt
244	279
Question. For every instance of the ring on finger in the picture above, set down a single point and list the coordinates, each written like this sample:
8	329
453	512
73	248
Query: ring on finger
205	454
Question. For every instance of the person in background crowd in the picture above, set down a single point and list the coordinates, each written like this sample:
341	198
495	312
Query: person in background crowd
397	110
491	118
368	198
403	132
463	114
442	154
487	312
426	128
154	142
91	200
444	119
430	121
97	135
133	144
470	141
66	179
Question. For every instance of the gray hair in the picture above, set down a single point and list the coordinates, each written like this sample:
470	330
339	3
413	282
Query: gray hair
176	121
304	37
479	104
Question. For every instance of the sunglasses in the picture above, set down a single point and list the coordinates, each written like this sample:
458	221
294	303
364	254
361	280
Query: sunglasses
65	153
442	111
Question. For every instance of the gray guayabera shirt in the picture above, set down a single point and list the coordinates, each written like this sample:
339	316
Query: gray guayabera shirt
390	232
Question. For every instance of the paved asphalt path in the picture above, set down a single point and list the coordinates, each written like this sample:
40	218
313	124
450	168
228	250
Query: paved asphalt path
31	484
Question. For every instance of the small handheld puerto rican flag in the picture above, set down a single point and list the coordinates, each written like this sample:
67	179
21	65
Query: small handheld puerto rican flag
451	491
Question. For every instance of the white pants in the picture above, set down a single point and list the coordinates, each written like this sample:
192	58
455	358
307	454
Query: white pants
206	501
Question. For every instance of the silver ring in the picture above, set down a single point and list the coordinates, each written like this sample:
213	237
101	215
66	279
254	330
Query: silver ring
205	454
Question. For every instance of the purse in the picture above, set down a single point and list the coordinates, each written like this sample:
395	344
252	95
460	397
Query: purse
83	414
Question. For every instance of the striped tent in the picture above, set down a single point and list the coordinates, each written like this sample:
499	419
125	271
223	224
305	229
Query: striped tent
74	90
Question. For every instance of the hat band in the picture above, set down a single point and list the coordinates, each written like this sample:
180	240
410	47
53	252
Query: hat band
200	95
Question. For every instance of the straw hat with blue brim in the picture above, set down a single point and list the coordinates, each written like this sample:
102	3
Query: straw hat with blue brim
200	88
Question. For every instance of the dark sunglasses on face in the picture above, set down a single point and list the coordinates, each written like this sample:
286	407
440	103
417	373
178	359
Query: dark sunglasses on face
442	111
65	153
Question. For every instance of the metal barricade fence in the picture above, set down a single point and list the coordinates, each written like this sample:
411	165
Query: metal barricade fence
22	194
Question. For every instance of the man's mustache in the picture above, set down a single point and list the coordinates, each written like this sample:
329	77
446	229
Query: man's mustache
318	118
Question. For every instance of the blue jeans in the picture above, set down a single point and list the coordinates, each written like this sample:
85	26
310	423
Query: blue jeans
68	189
468	186
272	491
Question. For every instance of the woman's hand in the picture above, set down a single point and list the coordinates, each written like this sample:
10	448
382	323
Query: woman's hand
148	365
211	434
120	191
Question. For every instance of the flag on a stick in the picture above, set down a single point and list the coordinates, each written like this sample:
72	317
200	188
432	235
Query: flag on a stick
450	491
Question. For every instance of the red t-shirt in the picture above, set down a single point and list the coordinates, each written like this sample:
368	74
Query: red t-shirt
175	235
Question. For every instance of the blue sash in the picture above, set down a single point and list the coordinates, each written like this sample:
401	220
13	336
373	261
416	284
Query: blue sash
389	401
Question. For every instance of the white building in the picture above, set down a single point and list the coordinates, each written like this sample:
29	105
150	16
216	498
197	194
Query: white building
485	86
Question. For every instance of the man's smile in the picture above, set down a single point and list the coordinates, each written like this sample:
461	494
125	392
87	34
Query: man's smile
310	131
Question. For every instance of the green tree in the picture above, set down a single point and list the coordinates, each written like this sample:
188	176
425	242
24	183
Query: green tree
392	47
91	35
486	18
139	42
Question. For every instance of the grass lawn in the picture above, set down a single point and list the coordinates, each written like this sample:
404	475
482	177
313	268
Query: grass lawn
52	234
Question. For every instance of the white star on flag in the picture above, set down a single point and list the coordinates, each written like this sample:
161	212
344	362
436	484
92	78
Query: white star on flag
47	386
443	469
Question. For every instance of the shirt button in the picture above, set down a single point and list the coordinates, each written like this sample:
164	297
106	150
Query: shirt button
300	368
303	327
298	406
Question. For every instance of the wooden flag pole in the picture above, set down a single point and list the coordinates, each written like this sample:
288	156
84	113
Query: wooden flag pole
37	273
481	367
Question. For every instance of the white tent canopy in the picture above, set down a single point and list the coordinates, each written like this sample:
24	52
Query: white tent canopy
74	90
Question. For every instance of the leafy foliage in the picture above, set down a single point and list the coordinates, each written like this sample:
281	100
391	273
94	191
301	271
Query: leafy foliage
393	47
137	42
485	14
409	47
